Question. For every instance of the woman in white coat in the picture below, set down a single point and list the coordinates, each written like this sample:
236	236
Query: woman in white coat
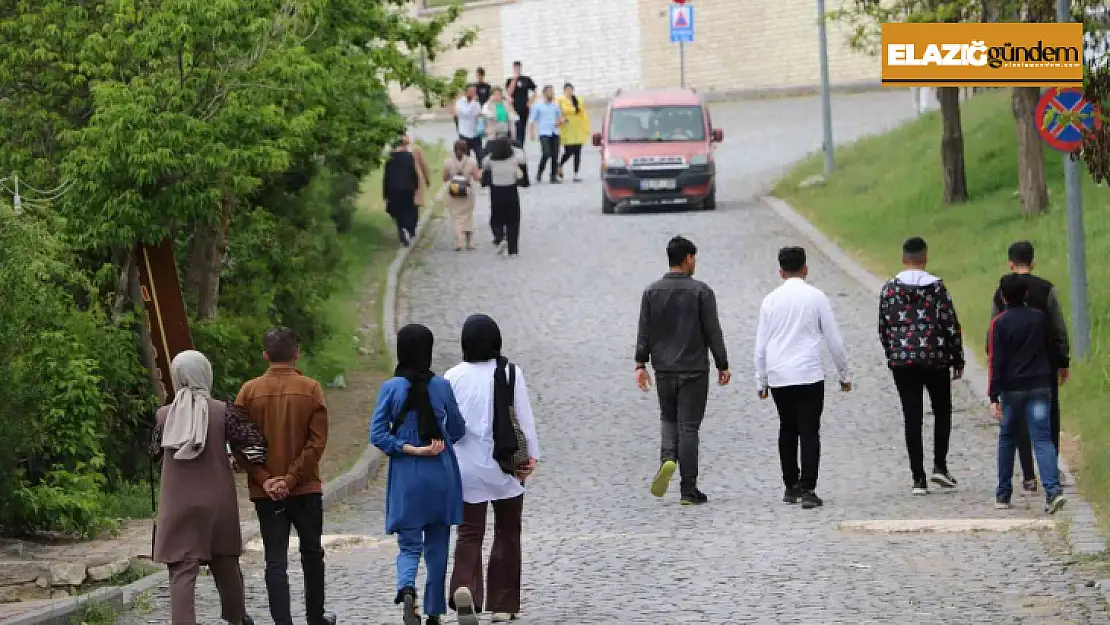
480	385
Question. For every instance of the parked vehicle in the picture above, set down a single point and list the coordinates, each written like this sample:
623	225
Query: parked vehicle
657	150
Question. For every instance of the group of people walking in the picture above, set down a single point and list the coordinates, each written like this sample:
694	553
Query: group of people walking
1027	350
457	444
276	431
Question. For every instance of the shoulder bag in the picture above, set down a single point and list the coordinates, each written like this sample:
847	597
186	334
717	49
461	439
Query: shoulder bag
520	457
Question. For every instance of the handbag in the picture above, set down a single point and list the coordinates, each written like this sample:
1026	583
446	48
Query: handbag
520	457
487	177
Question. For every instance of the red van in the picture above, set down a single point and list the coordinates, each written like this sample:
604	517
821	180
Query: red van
657	150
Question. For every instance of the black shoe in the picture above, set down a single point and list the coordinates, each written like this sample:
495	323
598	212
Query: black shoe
920	487
944	480
1029	486
556	181
792	495
248	620
408	612
433	620
810	500
695	498
329	618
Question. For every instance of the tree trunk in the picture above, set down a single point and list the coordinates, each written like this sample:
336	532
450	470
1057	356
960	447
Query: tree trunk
211	247
125	260
952	146
1030	152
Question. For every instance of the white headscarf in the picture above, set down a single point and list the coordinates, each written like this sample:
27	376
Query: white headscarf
186	427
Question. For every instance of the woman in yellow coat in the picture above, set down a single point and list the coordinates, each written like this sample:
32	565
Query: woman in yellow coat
575	131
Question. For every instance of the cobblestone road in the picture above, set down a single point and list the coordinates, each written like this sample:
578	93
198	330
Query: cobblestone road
598	547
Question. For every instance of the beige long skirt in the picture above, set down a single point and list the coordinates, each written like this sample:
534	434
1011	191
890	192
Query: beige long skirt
462	211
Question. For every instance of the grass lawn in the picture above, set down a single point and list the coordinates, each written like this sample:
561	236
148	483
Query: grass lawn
889	187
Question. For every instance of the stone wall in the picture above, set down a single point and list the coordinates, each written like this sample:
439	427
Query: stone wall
599	45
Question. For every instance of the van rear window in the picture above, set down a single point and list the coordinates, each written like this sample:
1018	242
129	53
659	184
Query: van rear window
657	123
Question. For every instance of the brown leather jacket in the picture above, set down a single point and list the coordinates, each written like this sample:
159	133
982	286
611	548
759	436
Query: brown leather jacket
290	410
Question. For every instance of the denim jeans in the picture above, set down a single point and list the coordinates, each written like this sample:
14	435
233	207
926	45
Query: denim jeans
433	541
682	399
1034	407
305	513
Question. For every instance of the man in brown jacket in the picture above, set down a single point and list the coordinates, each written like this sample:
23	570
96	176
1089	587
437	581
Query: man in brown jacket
290	410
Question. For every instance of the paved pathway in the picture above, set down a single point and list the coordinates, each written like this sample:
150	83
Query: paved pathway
598	547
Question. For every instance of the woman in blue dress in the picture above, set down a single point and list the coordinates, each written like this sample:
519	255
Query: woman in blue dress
416	423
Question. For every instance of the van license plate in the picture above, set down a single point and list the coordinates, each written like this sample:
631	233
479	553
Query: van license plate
657	185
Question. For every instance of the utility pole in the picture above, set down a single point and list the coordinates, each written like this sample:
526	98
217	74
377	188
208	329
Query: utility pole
1077	241
682	64
826	97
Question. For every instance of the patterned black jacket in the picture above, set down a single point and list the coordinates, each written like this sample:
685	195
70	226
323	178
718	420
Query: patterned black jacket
918	326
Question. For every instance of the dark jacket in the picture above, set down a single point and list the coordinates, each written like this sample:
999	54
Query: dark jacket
679	325
399	178
918	326
1020	351
1042	297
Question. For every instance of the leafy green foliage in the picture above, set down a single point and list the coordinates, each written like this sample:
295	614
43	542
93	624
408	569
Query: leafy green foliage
241	129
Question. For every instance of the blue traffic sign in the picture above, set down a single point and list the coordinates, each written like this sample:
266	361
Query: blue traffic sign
682	23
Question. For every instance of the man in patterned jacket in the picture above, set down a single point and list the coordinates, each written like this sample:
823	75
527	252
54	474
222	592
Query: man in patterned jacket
923	342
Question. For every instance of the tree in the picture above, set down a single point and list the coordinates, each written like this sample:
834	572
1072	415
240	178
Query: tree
241	129
865	18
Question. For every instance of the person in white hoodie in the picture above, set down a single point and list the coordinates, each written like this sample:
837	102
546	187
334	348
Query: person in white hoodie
921	336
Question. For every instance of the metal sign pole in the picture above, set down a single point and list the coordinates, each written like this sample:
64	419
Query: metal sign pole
1077	244
682	64
826	98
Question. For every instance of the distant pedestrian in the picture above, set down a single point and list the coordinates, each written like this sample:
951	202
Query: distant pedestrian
499	115
493	398
417	423
794	320
460	172
575	132
400	181
521	90
290	410
468	110
921	335
482	88
545	119
1042	296
678	328
1022	358
423	172
198	517
507	169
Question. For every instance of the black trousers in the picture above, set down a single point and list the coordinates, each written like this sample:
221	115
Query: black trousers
800	409
1025	445
405	215
504	216
549	145
521	127
572	151
912	383
475	144
682	399
305	513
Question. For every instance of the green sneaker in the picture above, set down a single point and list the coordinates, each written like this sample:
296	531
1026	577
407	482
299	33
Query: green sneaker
662	478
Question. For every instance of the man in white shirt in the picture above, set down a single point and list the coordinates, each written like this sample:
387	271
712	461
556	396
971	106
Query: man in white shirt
793	321
467	111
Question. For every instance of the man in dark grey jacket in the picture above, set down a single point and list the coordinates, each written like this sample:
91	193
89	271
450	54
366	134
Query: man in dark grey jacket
678	327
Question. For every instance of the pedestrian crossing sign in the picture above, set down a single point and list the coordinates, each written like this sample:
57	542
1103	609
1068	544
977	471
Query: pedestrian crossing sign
682	23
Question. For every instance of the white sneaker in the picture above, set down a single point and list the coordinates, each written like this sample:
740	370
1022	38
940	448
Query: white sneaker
502	246
464	607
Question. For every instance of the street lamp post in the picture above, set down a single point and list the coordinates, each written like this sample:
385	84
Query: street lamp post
1077	244
826	98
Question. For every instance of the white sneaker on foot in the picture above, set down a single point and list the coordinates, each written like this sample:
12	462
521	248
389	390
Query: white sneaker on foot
464	607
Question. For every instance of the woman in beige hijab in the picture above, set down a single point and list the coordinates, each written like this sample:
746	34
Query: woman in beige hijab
460	172
198	513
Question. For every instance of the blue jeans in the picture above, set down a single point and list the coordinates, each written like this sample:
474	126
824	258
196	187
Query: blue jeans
434	542
1034	407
